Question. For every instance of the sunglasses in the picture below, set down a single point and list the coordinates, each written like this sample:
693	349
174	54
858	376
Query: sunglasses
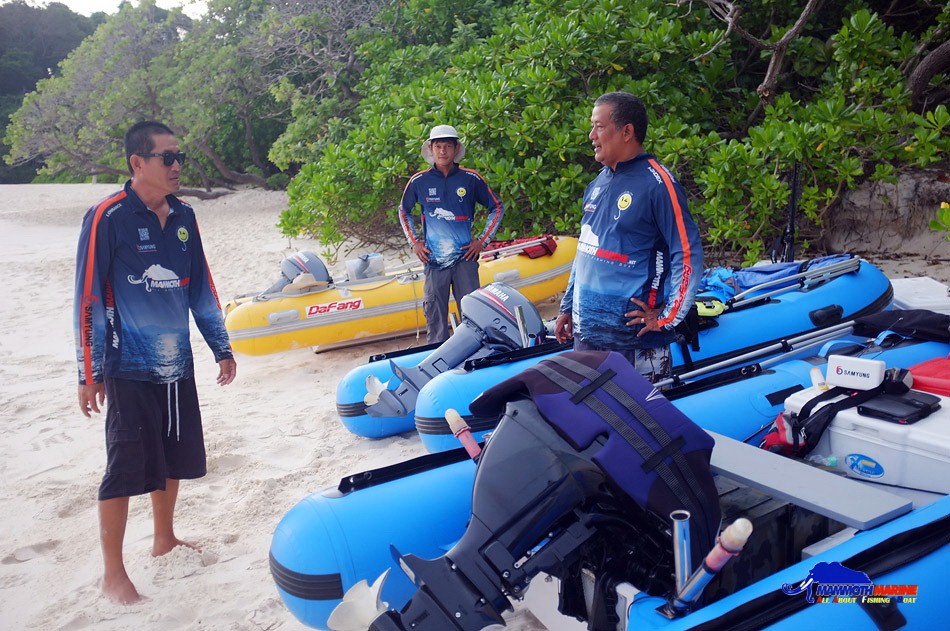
168	158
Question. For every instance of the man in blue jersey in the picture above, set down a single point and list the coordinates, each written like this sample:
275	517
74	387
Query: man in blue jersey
639	258
140	271
446	195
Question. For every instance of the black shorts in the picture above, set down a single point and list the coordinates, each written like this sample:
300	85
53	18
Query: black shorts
153	432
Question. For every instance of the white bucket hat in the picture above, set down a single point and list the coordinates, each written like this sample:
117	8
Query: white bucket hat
438	133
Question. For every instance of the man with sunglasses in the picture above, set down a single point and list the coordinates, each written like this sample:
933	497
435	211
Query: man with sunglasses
140	271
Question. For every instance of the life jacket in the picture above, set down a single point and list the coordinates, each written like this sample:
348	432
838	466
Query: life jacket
653	452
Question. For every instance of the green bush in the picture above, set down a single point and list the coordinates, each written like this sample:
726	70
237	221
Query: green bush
521	97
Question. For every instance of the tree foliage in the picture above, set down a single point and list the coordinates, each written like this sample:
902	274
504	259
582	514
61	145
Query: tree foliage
340	95
520	81
32	43
145	62
75	120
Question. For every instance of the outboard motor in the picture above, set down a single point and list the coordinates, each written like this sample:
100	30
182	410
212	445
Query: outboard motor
297	264
586	459
490	324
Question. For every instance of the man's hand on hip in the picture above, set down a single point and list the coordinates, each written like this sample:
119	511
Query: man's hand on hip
421	251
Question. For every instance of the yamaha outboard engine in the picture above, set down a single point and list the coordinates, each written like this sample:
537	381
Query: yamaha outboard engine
298	263
490	324
585	460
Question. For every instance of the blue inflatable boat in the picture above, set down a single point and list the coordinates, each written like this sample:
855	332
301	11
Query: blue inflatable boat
380	520
739	313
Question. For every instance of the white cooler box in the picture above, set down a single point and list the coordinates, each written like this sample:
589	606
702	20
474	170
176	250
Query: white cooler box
915	456
921	292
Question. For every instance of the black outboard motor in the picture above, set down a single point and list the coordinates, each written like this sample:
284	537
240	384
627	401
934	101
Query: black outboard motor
586	458
297	264
489	325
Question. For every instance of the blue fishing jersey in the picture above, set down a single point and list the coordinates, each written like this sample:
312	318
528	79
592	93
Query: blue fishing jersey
448	208
638	240
135	285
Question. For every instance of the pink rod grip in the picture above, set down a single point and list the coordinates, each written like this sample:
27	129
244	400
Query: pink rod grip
463	432
729	544
465	436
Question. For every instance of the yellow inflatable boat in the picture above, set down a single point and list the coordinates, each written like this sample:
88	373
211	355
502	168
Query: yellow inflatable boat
306	308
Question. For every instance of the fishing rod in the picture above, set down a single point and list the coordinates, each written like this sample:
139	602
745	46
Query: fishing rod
787	241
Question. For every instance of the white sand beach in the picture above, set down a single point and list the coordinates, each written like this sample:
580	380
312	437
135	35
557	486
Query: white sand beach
273	436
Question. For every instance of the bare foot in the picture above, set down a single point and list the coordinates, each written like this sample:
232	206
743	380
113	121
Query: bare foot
164	546
121	591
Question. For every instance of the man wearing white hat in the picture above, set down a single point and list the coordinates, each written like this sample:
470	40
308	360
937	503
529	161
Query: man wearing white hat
447	194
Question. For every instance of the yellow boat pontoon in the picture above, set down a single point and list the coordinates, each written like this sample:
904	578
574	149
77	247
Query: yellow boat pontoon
306	308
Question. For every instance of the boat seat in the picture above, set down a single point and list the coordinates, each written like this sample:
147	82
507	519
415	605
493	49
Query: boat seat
848	501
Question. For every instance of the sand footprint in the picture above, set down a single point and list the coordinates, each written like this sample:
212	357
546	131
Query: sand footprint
181	562
28	553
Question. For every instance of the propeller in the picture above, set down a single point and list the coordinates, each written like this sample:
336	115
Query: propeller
360	606
373	387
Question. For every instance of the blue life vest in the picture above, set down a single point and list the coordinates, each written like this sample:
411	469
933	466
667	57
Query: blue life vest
653	452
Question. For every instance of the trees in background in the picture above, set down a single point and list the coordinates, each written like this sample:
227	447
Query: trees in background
228	83
838	102
143	63
339	96
32	43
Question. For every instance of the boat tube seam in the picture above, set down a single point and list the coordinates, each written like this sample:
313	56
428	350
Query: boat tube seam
306	586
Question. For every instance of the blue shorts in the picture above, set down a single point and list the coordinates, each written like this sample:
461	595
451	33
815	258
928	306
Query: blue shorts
153	432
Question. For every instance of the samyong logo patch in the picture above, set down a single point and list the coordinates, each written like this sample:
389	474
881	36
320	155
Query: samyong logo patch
337	306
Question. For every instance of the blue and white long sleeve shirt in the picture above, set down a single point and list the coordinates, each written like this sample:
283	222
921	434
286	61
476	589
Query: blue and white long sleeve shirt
447	210
638	240
136	283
